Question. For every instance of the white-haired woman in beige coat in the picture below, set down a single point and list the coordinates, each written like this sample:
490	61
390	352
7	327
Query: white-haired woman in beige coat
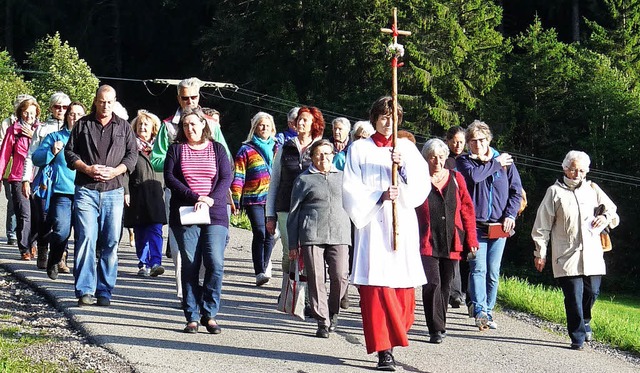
571	216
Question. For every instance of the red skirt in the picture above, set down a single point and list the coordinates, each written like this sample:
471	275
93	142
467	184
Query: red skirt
387	316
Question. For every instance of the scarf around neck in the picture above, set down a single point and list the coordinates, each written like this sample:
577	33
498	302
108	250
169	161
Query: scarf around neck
144	146
265	147
572	184
381	141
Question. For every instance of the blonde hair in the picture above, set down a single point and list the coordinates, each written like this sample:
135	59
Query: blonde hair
145	115
256	120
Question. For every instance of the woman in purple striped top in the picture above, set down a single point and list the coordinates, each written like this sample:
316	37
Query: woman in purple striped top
198	172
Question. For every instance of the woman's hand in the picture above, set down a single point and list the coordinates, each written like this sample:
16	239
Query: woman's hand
505	159
57	147
396	157
539	263
206	200
27	131
508	224
26	189
599	221
271	225
127	200
293	254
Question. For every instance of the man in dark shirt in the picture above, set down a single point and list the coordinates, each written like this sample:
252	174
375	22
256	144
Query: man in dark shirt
101	148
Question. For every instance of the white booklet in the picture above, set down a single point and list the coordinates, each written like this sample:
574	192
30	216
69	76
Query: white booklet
189	216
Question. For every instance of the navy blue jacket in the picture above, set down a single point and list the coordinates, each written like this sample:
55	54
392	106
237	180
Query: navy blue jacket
496	191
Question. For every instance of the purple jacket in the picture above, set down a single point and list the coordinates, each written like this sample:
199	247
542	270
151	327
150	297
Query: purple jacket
495	191
181	195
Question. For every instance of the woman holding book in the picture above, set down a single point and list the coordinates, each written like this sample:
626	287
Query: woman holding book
495	188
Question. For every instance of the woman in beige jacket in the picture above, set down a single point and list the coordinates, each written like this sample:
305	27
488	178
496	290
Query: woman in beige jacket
566	218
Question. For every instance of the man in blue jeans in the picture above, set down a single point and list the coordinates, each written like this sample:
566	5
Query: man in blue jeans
101	148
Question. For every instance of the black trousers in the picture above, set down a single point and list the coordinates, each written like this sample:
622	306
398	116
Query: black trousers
435	294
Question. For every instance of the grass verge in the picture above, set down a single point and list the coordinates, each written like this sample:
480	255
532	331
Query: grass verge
615	319
13	358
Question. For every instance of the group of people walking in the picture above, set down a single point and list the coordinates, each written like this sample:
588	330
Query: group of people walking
331	202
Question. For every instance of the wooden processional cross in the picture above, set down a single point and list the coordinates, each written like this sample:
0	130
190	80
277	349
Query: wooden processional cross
394	48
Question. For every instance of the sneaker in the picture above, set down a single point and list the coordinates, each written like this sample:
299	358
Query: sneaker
103	302
322	332
588	337
12	242
261	279
144	272
85	300
576	346
386	362
490	323
482	320
334	323
156	270
268	270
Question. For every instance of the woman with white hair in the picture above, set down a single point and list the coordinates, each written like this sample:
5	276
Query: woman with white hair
571	216
58	105
362	129
341	140
447	224
250	187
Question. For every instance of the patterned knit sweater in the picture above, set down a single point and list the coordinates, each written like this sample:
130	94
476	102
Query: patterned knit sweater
252	177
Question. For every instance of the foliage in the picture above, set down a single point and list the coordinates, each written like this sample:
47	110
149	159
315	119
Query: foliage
616	320
11	84
240	220
63	70
453	58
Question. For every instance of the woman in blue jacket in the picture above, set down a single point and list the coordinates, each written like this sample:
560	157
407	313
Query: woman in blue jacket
495	187
63	188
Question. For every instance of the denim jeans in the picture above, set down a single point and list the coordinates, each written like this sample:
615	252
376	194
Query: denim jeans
262	243
148	244
201	244
22	206
580	293
485	273
10	227
60	217
98	218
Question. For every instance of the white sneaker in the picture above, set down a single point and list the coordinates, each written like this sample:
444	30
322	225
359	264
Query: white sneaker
482	320
492	324
143	272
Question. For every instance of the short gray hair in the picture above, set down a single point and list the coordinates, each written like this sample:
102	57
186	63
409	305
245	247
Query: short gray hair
190	83
362	128
59	98
432	146
342	120
478	126
576	155
293	114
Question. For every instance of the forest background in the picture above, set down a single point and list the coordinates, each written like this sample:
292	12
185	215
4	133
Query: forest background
548	76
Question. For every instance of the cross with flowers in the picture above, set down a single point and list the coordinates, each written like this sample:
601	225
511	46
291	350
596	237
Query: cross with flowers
396	50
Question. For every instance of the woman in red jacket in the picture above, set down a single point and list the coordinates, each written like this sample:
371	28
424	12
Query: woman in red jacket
447	224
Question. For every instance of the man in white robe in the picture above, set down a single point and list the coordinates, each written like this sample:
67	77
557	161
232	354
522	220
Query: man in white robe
386	278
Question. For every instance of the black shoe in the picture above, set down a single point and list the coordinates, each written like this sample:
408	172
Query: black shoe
344	302
576	346
103	302
85	300
191	329
322	332
435	337
52	272
12	242
334	323
456	302
307	311
213	329
386	361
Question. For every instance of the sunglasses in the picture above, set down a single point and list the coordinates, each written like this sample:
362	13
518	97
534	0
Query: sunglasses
187	98
60	107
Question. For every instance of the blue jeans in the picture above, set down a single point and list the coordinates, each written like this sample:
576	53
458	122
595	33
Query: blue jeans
98	218
11	221
201	244
262	243
485	273
60	217
148	244
580	293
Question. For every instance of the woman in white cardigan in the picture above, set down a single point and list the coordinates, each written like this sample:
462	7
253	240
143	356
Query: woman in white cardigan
571	216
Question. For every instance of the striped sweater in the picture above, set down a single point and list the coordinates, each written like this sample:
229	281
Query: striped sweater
252	177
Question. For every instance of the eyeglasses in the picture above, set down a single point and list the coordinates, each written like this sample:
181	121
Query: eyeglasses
187	98
60	107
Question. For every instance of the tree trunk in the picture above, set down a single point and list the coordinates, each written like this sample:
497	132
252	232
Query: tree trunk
575	21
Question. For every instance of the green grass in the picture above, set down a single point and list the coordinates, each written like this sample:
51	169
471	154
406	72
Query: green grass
615	319
12	356
241	221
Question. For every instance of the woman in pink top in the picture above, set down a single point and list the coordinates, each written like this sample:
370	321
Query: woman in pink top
15	147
